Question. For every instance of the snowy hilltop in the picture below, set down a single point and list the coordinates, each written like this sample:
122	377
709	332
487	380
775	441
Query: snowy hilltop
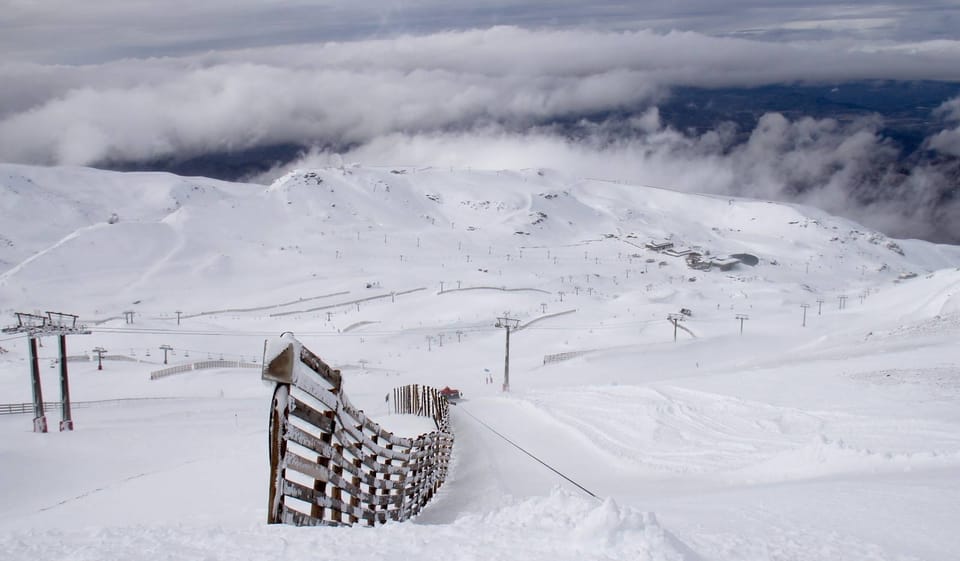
799	402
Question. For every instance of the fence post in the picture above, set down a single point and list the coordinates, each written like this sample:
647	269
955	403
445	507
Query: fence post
388	491
373	487
320	486
358	465
279	418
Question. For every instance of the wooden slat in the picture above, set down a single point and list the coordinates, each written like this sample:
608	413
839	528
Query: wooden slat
317	390
296	518
328	374
309	441
372	445
306	413
321	473
308	495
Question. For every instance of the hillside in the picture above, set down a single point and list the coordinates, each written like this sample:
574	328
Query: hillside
797	439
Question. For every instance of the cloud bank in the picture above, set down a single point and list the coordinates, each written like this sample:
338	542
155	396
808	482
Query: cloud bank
347	93
62	31
492	97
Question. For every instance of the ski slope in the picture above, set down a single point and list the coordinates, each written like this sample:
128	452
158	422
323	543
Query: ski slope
839	439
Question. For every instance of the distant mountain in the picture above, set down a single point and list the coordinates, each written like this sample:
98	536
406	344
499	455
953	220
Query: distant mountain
95	240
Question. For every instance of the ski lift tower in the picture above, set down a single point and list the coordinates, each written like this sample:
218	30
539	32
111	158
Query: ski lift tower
675	319
35	326
509	324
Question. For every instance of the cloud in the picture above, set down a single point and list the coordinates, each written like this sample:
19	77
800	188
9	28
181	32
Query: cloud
352	92
947	141
57	31
949	110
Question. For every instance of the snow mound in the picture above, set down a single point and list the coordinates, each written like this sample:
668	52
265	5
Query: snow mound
566	526
557	527
824	456
675	431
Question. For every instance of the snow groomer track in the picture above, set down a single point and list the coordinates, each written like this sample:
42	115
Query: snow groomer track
329	463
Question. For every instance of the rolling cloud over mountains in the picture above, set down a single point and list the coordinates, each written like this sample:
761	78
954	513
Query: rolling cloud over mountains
573	91
354	92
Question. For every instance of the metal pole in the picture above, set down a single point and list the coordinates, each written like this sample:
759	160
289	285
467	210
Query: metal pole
39	419
742	317
506	363
674	329
66	421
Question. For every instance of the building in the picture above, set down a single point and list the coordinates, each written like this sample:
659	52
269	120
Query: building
659	246
724	263
677	251
694	261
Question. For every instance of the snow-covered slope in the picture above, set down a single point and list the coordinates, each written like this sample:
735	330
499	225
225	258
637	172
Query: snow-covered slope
173	236
789	441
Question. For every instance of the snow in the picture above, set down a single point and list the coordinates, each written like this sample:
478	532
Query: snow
838	440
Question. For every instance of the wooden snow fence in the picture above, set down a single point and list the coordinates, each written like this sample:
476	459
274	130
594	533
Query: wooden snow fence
329	463
560	357
200	365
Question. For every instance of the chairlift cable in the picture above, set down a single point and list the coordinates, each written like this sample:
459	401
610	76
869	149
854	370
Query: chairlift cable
518	447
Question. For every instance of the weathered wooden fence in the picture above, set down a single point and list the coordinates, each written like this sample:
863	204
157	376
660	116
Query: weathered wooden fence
23	408
560	357
20	408
200	365
332	465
